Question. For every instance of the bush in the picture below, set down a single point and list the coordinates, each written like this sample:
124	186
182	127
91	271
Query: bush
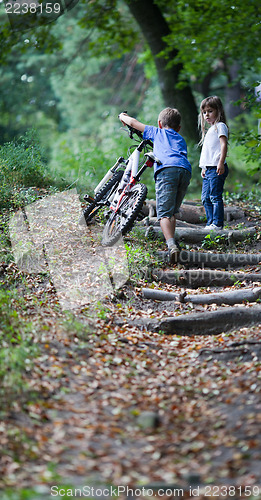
22	165
16	350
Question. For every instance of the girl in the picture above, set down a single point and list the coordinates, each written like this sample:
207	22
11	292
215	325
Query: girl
212	160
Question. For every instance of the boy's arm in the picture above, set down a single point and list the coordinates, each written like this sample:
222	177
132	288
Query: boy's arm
132	122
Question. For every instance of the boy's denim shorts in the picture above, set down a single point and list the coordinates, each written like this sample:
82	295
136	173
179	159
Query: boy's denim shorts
171	186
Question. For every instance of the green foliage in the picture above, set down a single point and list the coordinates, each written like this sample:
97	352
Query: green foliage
99	65
16	349
212	241
251	196
21	166
141	255
252	149
206	33
113	27
248	129
5	247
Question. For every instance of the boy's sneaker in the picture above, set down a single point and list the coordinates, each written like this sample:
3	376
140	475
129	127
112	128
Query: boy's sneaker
173	254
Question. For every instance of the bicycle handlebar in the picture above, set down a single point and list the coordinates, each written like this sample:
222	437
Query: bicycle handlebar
132	131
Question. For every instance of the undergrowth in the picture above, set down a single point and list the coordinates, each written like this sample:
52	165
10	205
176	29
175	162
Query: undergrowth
251	197
22	169
141	254
17	349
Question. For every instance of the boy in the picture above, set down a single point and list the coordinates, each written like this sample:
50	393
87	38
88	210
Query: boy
173	175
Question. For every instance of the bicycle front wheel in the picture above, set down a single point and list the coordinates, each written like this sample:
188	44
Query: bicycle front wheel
101	198
122	221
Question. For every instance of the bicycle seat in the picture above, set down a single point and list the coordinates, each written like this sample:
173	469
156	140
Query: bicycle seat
153	158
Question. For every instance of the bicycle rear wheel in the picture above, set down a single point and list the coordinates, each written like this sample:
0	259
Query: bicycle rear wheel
101	197
122	221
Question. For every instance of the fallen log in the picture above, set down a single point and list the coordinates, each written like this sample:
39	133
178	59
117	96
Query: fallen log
209	322
194	278
153	221
191	213
214	260
197	235
231	297
248	350
194	212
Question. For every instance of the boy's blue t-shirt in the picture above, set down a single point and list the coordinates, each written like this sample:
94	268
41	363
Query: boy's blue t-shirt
168	146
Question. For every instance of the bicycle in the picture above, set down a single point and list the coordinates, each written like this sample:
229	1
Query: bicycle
121	192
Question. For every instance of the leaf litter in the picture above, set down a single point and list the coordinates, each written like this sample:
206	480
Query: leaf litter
111	403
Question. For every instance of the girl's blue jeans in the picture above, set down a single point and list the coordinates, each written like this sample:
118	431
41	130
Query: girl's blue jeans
212	191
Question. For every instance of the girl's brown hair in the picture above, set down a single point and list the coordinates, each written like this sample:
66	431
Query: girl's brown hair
213	102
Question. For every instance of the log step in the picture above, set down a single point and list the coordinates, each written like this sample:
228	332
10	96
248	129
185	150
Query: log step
194	278
231	297
209	322
214	260
190	235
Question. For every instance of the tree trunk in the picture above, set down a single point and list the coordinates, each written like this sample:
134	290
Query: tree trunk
154	28
233	92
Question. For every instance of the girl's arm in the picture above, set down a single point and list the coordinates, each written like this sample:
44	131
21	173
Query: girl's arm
223	144
132	122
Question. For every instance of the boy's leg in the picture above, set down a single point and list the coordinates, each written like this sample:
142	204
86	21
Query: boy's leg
165	202
168	225
171	186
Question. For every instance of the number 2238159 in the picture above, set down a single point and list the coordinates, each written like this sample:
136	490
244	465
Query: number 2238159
32	8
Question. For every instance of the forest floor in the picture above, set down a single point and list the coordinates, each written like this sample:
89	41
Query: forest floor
109	409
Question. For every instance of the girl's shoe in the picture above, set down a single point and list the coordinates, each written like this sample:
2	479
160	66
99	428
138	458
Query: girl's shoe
214	227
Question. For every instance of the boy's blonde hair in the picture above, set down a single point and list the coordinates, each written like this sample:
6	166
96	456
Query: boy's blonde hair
170	118
215	103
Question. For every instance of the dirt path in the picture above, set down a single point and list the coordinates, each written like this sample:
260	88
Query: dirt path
116	405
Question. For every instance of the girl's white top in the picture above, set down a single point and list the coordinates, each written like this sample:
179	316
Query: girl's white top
211	148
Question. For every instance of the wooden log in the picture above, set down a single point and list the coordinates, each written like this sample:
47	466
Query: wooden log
194	212
215	260
231	297
194	278
190	235
191	213
151	293
209	322
153	221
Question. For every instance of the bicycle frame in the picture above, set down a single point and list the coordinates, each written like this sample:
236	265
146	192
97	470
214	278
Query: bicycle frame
131	174
119	181
109	174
